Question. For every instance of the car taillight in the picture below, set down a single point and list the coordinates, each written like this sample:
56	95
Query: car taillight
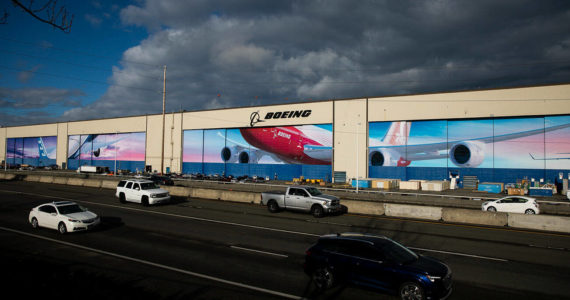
535	204
308	252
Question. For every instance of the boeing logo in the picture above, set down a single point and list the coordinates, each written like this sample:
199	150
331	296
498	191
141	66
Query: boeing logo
254	117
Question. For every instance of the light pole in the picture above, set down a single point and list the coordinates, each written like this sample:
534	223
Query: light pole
163	108
357	160
115	173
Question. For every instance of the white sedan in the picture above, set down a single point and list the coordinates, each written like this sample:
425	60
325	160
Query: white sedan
64	216
513	204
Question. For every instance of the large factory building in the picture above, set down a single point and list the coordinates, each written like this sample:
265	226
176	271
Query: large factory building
499	135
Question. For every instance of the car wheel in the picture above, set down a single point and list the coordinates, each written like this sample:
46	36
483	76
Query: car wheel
62	228
144	201
411	291
272	206
529	212
323	278
491	209
122	198
35	223
317	211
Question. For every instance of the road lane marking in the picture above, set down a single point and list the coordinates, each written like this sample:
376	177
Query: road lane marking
258	251
258	227
460	254
181	216
145	262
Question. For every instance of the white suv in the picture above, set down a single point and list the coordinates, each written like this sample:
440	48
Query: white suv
141	191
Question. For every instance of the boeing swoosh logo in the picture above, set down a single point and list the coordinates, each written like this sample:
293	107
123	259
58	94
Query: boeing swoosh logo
254	118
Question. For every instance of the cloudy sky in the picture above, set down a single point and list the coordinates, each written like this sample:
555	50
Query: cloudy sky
242	53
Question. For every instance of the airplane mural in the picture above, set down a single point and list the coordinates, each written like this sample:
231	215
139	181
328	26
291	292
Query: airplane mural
123	146
395	147
307	144
41	148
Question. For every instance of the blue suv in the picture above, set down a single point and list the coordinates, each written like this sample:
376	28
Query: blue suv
377	262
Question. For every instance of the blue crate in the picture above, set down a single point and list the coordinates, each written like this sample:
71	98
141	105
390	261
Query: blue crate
361	183
490	188
535	191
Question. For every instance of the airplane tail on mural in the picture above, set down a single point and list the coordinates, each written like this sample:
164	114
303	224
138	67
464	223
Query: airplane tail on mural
42	149
397	134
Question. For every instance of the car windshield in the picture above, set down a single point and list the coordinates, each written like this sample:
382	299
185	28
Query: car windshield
70	209
396	252
148	186
313	191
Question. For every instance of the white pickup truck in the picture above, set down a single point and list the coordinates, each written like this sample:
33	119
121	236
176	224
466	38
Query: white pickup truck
302	198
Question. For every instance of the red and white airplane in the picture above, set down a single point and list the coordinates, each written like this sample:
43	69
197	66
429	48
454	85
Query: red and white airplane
308	144
393	150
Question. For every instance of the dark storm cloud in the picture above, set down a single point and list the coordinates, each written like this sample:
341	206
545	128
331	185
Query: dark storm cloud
237	53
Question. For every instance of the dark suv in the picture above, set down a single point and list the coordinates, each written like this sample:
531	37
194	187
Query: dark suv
377	262
161	180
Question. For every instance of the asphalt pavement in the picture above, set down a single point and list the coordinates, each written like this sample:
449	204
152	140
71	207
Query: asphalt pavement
205	249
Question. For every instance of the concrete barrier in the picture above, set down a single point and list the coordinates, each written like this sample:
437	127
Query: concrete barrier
539	222
470	216
177	190
413	211
60	180
75	181
8	176
32	178
46	179
245	197
206	194
109	184
92	183
364	207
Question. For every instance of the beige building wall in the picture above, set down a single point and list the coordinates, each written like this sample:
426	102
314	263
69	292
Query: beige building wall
32	131
62	144
530	101
117	125
350	135
321	113
3	132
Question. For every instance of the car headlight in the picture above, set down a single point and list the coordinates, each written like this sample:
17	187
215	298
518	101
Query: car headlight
153	195
74	221
433	278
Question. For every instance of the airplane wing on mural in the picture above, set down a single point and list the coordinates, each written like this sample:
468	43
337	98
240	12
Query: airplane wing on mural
318	152
468	153
78	148
549	158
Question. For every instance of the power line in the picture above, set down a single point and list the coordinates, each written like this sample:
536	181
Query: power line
77	52
75	78
72	64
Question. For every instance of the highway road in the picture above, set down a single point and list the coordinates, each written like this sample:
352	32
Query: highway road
204	249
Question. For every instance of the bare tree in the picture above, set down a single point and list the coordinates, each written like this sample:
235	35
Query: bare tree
53	14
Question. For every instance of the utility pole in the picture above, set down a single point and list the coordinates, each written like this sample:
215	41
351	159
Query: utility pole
163	109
